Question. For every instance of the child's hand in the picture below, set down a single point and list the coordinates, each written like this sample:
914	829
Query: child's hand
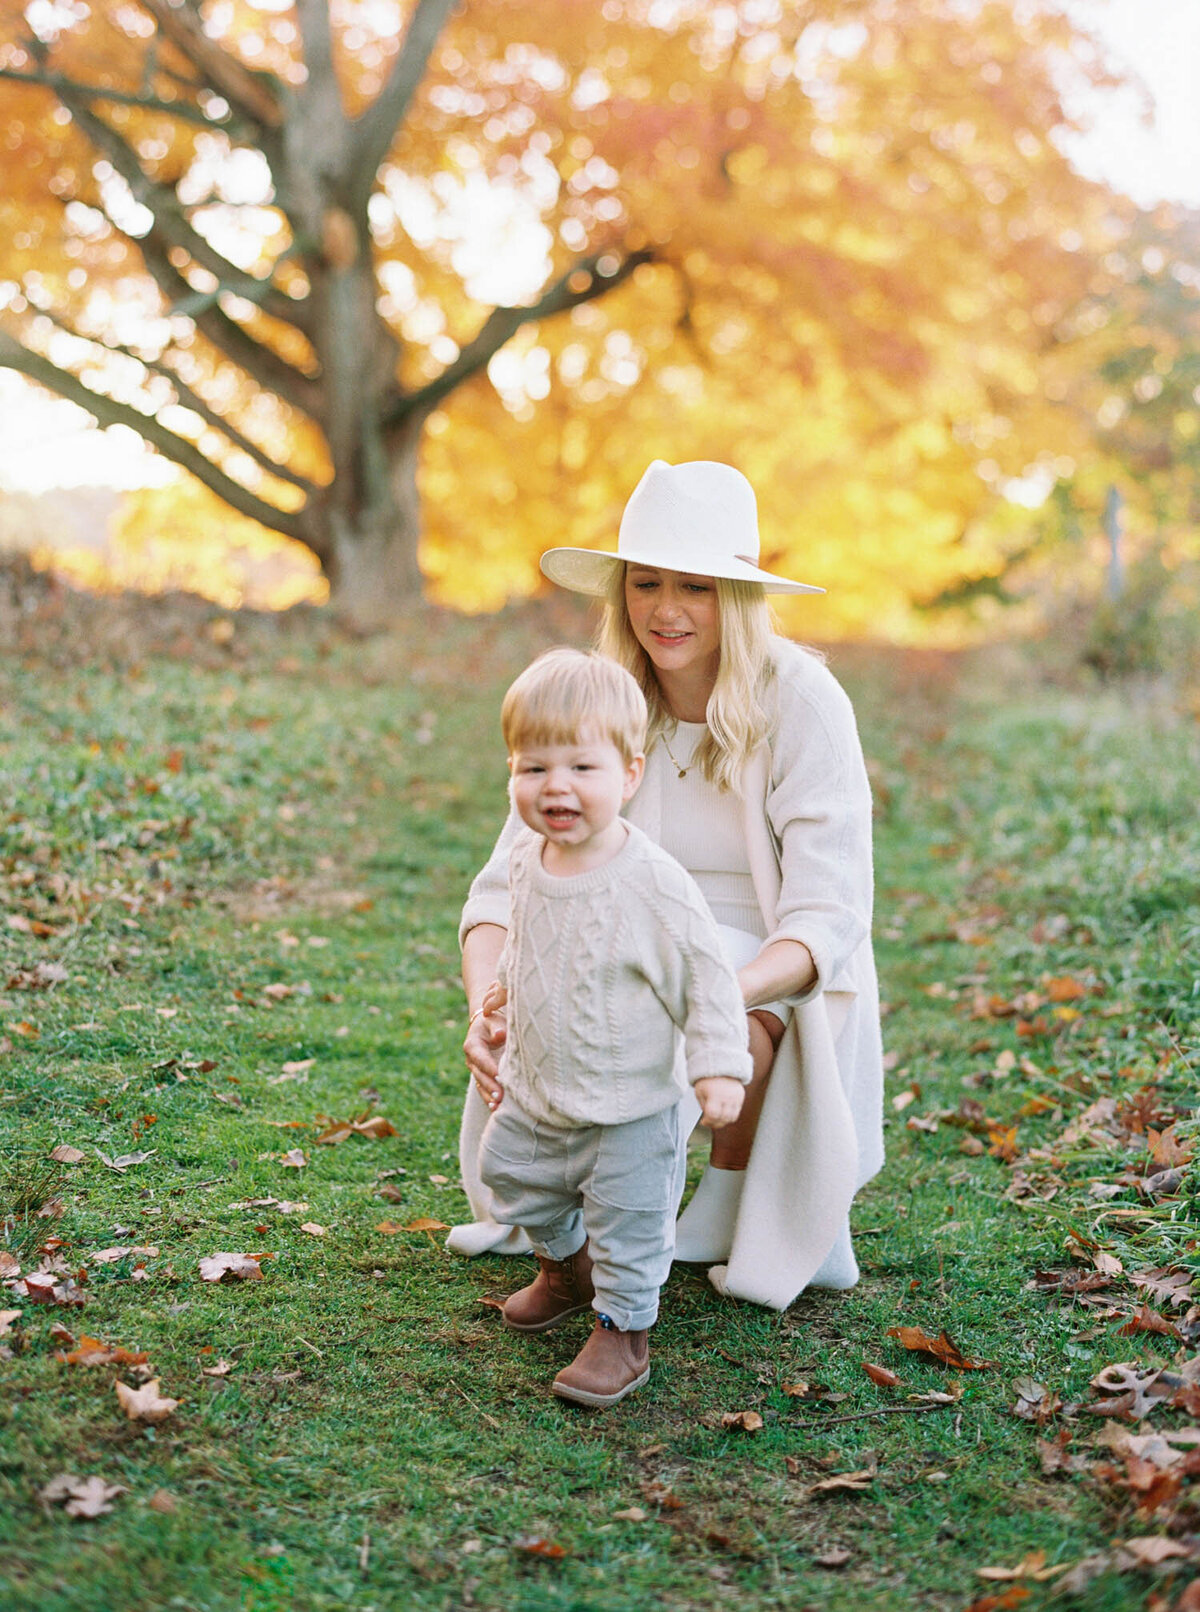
495	998
720	1098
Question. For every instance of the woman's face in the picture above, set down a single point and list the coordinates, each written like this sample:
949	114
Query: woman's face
675	618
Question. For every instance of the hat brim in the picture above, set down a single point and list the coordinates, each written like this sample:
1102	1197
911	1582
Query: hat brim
591	571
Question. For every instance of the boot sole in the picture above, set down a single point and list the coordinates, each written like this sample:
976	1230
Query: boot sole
546	1326
584	1396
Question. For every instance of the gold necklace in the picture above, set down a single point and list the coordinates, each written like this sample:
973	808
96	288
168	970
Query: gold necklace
682	771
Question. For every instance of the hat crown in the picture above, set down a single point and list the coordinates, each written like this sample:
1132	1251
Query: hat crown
690	517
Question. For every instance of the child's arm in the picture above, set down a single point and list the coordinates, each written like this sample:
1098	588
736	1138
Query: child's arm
720	1098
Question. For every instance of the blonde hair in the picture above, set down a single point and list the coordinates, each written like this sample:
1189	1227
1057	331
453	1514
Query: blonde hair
738	713
567	693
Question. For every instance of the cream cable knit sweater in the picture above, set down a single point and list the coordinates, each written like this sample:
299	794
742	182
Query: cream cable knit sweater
603	970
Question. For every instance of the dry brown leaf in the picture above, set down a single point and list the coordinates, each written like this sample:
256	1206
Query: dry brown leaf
838	1556
1004	1602
797	1390
844	1483
881	1375
748	1420
631	1514
221	1369
81	1497
145	1404
1144	1319
312	1228
64	1153
1151	1549
390	1193
162	1500
535	1545
1065	989
424	1223
10	1266
238	1267
1035	1402
93	1352
109	1256
1032	1565
1166	1150
940	1348
293	1159
1166	1284
7	1317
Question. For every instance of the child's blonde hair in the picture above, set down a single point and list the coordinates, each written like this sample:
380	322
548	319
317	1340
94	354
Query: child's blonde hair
566	694
738	714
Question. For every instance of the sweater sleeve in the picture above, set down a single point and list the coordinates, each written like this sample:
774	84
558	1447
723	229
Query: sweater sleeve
685	963
819	810
487	900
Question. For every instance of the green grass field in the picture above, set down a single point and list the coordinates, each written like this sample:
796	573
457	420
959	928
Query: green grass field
231	874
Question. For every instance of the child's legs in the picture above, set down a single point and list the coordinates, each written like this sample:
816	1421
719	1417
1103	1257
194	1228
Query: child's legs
532	1173
630	1198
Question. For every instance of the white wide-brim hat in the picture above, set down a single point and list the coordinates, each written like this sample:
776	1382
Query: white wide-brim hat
699	517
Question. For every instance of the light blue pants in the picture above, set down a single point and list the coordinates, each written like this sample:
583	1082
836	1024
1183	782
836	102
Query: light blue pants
617	1187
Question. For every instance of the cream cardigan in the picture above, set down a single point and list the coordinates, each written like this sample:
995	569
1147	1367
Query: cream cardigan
807	814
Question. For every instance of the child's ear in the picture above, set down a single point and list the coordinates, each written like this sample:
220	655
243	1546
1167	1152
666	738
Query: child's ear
633	777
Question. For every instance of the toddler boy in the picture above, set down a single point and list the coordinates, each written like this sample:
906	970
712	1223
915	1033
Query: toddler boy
611	956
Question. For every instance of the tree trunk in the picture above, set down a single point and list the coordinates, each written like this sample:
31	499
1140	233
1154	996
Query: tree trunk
373	571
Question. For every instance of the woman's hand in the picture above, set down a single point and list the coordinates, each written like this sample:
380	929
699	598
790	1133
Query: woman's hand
720	1098
486	1034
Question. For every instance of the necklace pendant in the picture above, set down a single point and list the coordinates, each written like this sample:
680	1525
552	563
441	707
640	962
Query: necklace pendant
683	771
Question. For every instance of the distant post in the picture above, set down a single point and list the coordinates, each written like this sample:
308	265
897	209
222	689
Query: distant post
1113	506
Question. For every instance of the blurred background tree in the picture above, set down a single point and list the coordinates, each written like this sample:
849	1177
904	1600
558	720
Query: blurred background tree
322	255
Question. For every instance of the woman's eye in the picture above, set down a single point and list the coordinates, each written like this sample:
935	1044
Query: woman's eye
642	587
696	587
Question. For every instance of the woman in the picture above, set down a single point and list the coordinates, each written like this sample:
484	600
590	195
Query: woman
755	782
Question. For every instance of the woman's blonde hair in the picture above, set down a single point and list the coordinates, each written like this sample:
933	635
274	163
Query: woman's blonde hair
738	714
568	697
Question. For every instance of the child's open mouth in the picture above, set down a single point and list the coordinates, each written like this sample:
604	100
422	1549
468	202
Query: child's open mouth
560	817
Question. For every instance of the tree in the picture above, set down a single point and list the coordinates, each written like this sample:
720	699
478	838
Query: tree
832	227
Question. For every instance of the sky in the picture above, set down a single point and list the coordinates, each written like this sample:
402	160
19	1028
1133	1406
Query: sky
46	443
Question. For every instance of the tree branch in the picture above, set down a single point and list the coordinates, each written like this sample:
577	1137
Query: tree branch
503	323
255	95
58	82
188	399
375	129
107	411
169	218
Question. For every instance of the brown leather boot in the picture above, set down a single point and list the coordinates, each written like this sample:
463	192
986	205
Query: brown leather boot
561	1289
610	1365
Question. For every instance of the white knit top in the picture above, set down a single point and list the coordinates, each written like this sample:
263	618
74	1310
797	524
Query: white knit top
605	970
704	828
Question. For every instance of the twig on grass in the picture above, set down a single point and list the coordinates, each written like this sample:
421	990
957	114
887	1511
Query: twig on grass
490	1420
862	1416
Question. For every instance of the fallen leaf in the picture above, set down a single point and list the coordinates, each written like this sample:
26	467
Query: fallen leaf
1166	1150
389	1228
293	1159
7	1317
81	1497
124	1161
10	1266
93	1352
240	1267
145	1404
535	1545
297	1066
311	1227
1065	989
423	1223
940	1348
162	1500
844	1483
221	1369
1151	1549
631	1514
837	1557
1032	1565
748	1420
1004	1602
1144	1319
390	1193
1035	1402
1167	1285
881	1375
109	1256
797	1390
64	1153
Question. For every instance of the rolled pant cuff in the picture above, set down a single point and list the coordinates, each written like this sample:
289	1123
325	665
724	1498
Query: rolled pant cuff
624	1319
560	1245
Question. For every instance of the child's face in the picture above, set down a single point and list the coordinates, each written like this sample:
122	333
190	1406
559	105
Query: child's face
572	793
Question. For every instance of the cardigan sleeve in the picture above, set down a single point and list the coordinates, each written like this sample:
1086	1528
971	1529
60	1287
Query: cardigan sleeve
819	810
488	900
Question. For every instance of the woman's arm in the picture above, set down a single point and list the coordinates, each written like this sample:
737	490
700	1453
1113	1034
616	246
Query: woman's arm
782	968
482	946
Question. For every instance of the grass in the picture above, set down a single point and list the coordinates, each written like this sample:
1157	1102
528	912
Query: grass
235	870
